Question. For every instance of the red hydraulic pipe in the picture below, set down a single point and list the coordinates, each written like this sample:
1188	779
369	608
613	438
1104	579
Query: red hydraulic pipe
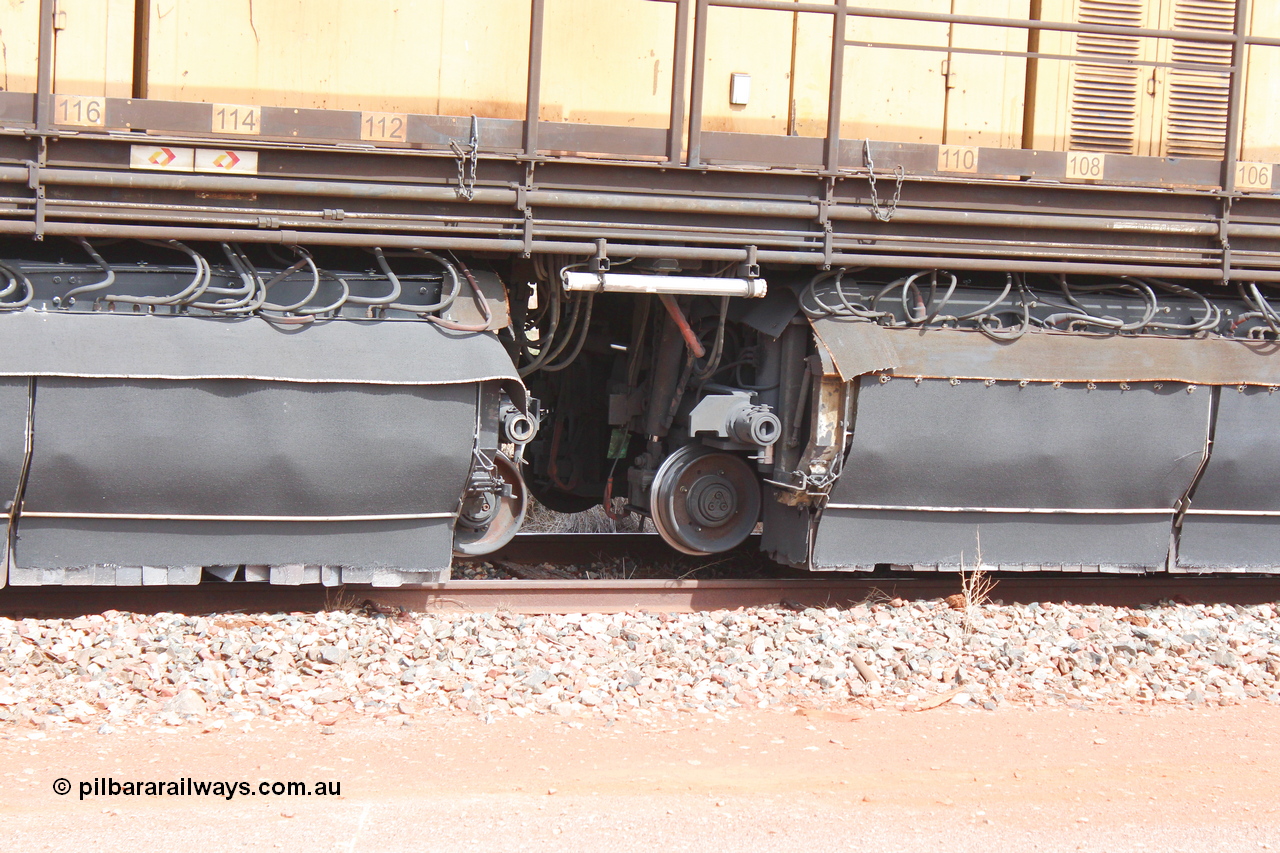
690	339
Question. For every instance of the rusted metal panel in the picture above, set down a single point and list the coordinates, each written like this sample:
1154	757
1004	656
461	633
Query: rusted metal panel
913	157
495	134
17	107
793	151
311	124
176	116
1162	171
602	139
1063	357
503	135
856	347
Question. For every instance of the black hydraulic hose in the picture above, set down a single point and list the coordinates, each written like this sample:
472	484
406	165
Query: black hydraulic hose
582	339
486	313
1001	333
846	308
1008	285
1212	313
1136	286
304	260
717	349
391	277
446	299
244	294
332	306
68	299
15	278
553	312
883	292
257	292
1259	303
192	291
568	335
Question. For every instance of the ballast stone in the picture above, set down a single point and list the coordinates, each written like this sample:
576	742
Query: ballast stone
116	670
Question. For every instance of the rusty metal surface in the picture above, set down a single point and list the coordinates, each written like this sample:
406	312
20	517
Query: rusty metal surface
857	347
17	107
1052	357
602	139
1107	226
294	126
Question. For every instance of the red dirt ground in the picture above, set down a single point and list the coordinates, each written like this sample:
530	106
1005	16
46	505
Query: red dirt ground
939	780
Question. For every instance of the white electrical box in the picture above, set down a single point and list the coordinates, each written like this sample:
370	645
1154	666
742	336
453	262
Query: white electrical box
739	89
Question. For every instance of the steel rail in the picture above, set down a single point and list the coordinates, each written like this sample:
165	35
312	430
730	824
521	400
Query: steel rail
628	596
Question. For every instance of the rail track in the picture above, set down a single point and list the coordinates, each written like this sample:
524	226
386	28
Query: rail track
747	582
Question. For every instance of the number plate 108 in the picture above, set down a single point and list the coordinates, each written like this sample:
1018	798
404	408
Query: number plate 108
1082	164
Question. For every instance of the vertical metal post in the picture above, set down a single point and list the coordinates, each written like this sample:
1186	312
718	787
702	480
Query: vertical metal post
675	129
836	88
696	81
141	46
1032	80
1235	98
533	98
44	69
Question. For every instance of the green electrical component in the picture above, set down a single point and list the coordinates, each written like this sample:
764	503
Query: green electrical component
618	443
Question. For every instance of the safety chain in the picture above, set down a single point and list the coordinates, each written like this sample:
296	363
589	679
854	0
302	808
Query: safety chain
468	162
882	213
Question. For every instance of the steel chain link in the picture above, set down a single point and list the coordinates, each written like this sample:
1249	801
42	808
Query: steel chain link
884	214
468	160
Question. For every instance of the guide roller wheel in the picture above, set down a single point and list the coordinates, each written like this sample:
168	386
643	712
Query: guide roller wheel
489	520
704	501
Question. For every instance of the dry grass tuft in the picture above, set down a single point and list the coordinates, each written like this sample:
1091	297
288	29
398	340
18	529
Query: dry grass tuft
539	519
337	598
976	587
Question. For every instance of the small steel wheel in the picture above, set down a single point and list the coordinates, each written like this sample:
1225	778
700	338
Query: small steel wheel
488	520
704	501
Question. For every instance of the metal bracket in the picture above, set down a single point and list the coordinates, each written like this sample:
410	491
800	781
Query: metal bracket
522	204
825	204
36	186
600	260
1224	222
749	268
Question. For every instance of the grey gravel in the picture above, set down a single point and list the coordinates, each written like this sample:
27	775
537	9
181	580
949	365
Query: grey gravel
120	669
